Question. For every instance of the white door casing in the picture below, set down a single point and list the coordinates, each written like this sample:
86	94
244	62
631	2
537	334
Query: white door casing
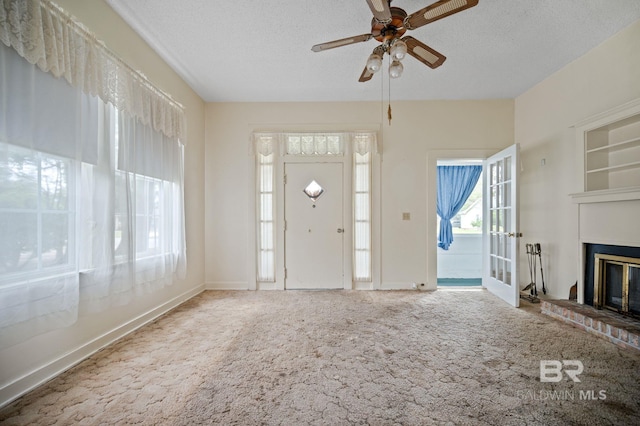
314	236
501	225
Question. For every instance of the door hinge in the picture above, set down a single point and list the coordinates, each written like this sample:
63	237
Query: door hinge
284	179
285	273
285	225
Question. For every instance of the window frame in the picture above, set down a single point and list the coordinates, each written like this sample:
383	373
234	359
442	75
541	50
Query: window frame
42	272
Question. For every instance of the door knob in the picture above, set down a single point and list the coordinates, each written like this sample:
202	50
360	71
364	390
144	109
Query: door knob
515	234
340	230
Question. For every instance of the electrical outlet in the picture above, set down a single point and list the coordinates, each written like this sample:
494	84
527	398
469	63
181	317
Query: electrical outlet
406	216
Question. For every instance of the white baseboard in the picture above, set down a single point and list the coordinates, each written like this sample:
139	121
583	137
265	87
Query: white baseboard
227	285
362	285
267	286
28	382
399	286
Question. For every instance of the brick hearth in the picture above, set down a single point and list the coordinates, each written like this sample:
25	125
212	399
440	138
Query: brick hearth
622	331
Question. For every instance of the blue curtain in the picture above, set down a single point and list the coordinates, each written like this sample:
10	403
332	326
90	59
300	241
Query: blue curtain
455	184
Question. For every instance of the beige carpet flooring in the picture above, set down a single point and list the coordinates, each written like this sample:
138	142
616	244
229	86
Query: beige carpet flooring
342	357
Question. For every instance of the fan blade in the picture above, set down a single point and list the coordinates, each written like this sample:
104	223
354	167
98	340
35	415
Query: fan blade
380	9
437	10
423	53
342	42
365	76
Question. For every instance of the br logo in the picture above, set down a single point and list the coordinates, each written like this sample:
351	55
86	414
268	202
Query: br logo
551	370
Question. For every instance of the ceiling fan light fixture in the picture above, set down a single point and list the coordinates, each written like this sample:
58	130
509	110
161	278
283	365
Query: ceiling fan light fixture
374	63
395	69
398	50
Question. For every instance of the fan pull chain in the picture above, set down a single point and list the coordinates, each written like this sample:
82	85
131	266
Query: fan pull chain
381	98
389	109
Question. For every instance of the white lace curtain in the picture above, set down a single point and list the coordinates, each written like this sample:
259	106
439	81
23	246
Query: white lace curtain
45	35
91	196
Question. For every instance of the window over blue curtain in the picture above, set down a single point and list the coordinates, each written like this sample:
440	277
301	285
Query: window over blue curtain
455	184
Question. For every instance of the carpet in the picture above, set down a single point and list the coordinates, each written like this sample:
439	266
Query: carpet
342	357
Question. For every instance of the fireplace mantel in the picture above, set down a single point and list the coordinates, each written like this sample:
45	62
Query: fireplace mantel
608	197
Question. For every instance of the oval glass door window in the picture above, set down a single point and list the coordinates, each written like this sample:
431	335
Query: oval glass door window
313	191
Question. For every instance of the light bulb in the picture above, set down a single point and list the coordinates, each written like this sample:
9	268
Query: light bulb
398	50
374	63
395	69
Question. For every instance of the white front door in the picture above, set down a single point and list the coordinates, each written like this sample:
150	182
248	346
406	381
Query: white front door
501	225
314	230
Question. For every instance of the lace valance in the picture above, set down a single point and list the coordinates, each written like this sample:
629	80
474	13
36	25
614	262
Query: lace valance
264	143
45	35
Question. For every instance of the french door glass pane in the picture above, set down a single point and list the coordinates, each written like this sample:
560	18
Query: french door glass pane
507	272
494	266
506	190
507	169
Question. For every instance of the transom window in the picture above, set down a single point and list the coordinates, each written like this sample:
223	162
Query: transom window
316	144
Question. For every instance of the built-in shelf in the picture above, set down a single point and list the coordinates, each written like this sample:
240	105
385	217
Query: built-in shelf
633	165
615	146
609	149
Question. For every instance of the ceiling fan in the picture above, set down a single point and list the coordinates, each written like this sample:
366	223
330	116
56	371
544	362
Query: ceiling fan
388	26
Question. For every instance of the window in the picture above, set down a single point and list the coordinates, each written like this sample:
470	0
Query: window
149	218
266	235
316	144
37	218
82	226
362	217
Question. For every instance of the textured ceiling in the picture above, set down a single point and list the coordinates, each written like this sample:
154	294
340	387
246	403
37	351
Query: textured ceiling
255	51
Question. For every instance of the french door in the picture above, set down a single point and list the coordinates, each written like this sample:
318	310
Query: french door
501	225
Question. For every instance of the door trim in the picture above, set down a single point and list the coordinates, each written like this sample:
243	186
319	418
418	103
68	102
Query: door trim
348	159
432	191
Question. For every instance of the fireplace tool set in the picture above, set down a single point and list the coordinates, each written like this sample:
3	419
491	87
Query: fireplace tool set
534	253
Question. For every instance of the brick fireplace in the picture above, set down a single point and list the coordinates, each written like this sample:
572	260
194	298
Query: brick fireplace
608	208
621	330
609	236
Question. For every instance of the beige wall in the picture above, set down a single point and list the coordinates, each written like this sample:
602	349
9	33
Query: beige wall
418	128
540	119
605	77
26	364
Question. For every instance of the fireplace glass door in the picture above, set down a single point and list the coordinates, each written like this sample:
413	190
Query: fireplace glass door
617	283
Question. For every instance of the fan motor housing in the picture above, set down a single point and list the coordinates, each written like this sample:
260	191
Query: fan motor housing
394	29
